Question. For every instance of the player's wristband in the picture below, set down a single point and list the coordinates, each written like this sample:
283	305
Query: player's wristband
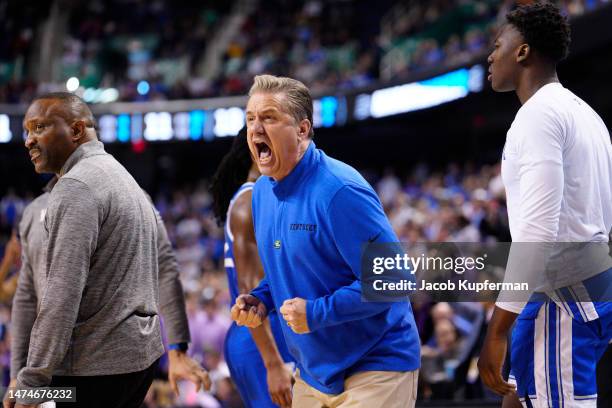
178	346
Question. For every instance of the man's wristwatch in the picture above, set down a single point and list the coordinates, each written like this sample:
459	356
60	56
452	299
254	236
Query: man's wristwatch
178	346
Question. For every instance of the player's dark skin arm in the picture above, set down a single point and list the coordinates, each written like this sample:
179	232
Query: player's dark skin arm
11	255
511	401
249	272
494	352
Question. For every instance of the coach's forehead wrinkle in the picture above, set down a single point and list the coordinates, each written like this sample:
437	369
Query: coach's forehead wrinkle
44	108
35	113
260	105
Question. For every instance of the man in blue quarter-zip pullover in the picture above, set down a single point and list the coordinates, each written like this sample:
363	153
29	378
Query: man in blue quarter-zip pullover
311	216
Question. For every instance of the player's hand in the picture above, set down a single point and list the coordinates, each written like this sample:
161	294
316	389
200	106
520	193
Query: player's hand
279	384
294	313
183	367
248	311
6	402
25	406
490	364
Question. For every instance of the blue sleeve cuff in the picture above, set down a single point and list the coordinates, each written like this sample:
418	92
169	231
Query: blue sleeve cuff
266	300
262	292
314	323
178	346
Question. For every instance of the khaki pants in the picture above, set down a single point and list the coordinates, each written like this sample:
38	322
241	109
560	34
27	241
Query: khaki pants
367	389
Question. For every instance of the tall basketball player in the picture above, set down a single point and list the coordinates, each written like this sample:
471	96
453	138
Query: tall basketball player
257	360
557	170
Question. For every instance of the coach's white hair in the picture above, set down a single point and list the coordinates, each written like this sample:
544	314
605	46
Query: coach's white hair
299	100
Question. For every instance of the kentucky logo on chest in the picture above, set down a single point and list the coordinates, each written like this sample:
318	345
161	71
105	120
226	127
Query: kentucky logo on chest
303	227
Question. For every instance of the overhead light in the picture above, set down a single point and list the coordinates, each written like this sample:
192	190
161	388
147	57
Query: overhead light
72	84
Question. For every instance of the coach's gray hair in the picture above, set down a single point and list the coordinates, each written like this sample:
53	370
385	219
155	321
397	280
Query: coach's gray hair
299	100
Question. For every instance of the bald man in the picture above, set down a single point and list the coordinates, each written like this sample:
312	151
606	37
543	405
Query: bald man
97	326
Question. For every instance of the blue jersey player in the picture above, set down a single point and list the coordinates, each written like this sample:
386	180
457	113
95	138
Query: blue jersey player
257	358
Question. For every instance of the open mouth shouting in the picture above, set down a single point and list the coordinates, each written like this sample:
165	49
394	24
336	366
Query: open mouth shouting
264	153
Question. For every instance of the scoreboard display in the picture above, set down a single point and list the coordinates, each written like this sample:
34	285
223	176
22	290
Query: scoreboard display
145	121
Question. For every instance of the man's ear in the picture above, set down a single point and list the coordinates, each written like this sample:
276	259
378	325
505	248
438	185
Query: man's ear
523	53
304	129
78	131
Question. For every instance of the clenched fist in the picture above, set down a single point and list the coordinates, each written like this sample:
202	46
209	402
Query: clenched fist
294	313
248	311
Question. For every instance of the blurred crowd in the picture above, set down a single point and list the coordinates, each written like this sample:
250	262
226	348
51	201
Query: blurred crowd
459	203
155	50
109	43
445	33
